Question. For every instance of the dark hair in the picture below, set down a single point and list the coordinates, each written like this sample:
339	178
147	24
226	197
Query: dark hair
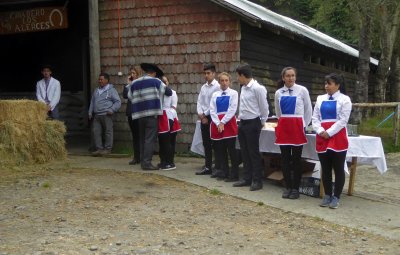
338	79
47	66
287	69
105	75
210	67
280	84
245	70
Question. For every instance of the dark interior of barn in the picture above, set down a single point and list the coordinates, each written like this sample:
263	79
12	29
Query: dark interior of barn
66	50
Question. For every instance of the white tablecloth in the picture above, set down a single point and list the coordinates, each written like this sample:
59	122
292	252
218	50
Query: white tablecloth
367	149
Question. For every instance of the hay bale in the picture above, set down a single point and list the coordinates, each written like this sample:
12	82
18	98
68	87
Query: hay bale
22	111
30	139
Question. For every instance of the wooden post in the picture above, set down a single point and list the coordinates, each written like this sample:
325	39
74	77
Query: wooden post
396	125
94	43
353	169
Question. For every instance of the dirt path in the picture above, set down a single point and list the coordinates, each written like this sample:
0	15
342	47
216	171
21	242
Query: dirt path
65	210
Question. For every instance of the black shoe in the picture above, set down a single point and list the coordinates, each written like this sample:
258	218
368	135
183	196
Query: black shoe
204	171
241	183
294	194
134	162
256	186
286	193
167	167
217	173
149	168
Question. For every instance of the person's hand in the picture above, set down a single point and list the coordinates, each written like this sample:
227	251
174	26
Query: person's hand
221	127
48	107
90	116
204	121
201	116
110	113
324	135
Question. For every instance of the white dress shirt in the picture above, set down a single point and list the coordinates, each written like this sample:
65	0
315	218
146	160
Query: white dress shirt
303	102
51	95
343	109
169	105
206	92
253	102
233	103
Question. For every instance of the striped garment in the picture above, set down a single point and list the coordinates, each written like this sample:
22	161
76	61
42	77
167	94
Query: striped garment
146	95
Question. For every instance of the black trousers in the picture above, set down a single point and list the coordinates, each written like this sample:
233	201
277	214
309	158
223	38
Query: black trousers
134	127
222	149
207	143
336	160
166	142
249	135
148	127
291	165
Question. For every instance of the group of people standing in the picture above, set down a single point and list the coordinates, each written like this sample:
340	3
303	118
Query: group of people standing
151	113
217	106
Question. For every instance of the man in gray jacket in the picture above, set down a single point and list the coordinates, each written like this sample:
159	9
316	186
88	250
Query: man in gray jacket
104	103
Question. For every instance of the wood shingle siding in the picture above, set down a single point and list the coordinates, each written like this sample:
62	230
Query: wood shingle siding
179	36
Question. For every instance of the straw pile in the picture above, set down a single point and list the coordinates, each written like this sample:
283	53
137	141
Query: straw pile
25	134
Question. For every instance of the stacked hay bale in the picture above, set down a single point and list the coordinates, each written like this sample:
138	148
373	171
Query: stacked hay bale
26	136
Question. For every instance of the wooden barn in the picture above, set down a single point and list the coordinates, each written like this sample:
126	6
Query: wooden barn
178	35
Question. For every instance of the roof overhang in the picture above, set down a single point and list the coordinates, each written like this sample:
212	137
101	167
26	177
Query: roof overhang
257	15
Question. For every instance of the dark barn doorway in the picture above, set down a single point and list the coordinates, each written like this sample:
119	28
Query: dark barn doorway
66	50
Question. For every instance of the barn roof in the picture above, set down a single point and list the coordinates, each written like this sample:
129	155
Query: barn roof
261	14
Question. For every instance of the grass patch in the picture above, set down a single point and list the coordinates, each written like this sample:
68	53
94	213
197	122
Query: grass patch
260	203
215	192
370	127
46	185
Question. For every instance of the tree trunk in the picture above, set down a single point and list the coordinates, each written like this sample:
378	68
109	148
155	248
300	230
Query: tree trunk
361	88
394	78
388	28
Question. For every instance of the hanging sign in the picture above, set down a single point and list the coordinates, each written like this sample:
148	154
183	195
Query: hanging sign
33	20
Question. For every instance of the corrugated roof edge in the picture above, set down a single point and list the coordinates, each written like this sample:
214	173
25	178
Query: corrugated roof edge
260	13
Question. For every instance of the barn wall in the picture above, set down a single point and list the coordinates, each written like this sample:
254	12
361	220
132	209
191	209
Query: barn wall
179	36
268	52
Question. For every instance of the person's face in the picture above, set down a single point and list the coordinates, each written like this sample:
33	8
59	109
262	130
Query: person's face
241	78
46	72
331	87
209	75
165	80
102	81
224	82
289	77
133	74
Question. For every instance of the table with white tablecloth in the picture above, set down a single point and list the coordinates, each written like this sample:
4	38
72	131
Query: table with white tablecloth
362	150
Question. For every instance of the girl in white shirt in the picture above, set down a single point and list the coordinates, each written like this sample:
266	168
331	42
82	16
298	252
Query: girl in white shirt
329	120
293	108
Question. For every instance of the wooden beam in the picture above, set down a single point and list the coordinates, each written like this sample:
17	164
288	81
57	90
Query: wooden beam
94	43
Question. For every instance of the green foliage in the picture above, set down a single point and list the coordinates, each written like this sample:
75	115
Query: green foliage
385	131
215	192
46	185
336	18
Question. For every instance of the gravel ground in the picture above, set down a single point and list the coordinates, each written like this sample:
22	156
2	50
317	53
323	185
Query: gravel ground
59	209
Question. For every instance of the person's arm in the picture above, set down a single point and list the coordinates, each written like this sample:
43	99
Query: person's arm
56	95
38	93
343	116
307	107
316	118
116	100
233	104
276	104
200	112
261	95
213	109
174	100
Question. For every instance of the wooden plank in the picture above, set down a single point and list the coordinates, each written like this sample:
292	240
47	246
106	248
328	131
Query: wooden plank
353	169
